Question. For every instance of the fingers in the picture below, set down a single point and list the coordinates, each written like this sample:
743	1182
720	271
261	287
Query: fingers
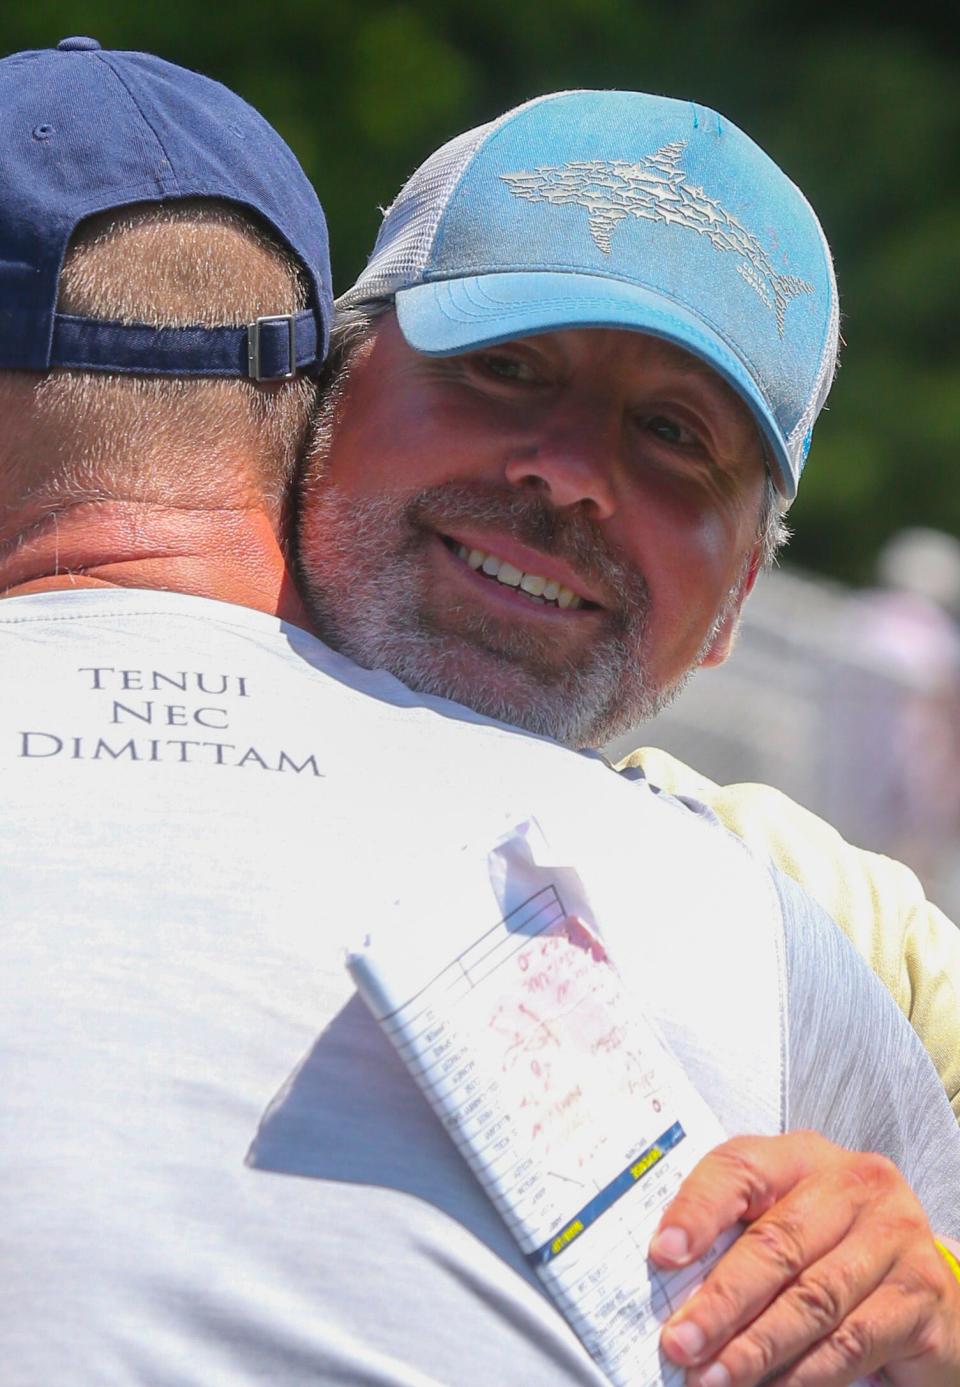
806	1316
835	1275
787	1261
891	1325
863	1343
737	1181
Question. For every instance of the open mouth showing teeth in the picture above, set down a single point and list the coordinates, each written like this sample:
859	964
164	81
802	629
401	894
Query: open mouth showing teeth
544	591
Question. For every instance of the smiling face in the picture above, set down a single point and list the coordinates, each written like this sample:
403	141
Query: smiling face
553	531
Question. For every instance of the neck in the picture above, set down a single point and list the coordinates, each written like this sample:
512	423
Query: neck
230	554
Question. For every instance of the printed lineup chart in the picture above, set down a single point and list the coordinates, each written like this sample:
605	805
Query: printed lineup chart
571	1113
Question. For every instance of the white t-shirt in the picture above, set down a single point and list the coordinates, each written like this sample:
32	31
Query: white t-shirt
217	1170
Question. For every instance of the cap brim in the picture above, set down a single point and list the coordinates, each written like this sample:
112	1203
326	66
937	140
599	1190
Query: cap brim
447	316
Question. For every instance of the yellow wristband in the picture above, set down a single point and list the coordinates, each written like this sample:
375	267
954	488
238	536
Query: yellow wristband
949	1258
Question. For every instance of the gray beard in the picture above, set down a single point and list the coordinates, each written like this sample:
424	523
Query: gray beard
362	573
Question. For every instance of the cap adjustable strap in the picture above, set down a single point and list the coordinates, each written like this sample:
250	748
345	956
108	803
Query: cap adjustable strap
272	348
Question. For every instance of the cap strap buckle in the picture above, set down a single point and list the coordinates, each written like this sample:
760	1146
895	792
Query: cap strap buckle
272	348
258	334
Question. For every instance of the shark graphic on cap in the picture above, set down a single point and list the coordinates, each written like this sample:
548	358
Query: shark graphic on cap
656	188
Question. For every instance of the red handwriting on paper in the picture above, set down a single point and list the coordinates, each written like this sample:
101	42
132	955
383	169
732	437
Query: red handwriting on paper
552	1019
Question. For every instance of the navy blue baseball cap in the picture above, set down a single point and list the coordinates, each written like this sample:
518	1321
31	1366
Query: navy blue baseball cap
86	130
626	210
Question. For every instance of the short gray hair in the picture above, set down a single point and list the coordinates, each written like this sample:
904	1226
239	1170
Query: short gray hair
185	263
356	324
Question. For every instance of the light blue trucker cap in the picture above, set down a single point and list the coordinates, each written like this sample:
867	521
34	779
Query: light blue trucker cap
619	209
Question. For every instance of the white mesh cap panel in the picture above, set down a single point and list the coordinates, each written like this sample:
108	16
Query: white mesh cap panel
410	223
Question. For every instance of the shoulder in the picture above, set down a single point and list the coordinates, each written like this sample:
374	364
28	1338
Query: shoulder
878	903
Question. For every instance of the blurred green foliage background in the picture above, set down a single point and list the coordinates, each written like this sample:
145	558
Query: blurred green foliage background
863	110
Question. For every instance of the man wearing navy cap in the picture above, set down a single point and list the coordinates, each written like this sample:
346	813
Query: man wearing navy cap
223	304
223	1174
570	397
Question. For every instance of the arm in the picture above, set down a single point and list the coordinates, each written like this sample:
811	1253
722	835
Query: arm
856	1072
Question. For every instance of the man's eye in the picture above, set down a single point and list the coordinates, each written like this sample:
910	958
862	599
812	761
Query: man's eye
503	367
669	430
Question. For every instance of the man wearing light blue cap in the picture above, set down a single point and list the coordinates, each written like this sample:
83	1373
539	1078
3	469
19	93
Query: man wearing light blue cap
606	211
573	392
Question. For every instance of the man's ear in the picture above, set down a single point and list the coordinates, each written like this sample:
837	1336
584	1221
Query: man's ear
726	634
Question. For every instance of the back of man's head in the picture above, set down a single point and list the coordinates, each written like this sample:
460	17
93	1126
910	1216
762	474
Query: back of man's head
149	219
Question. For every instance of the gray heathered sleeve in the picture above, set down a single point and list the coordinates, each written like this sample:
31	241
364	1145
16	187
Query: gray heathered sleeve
856	1070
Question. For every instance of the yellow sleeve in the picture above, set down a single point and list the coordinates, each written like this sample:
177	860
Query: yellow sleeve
878	903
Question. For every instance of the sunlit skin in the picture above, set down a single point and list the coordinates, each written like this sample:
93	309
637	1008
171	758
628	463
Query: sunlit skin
229	554
629	434
191	522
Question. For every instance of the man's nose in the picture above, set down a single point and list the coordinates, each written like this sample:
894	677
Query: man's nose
572	464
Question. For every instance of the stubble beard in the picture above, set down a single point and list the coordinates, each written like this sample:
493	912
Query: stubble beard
364	575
